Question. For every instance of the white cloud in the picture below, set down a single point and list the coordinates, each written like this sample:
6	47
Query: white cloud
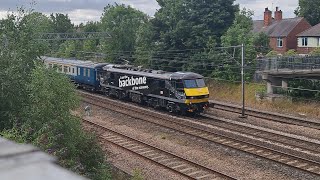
78	16
91	10
258	6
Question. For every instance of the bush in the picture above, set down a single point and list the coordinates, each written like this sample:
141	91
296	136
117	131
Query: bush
291	52
315	52
272	54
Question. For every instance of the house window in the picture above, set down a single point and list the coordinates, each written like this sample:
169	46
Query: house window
305	41
279	42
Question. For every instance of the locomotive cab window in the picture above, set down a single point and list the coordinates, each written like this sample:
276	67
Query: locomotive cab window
179	85
194	83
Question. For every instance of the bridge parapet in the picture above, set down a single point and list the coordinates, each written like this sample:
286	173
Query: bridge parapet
277	71
293	64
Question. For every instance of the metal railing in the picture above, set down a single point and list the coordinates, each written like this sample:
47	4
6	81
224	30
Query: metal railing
310	63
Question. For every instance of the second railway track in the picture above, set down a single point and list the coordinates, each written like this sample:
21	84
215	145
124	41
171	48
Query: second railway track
315	124
175	163
247	146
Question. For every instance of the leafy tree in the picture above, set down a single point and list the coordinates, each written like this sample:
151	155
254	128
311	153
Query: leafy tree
61	23
144	44
91	27
36	102
49	124
123	23
39	23
70	48
18	50
261	43
310	10
240	33
184	24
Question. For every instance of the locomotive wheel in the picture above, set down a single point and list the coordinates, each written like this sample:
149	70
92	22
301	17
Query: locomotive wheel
170	107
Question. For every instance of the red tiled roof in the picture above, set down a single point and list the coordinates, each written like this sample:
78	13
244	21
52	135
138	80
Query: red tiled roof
311	32
276	28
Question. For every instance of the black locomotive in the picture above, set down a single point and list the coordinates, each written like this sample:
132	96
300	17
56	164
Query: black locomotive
180	92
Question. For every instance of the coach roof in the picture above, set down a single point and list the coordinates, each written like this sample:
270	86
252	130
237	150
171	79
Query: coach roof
73	62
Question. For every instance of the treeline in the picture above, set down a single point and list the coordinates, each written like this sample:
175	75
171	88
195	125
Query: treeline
182	36
36	102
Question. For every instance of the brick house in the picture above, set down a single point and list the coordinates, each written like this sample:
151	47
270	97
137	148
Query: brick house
282	32
309	40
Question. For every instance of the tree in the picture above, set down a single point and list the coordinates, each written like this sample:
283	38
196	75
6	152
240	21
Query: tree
36	102
49	124
61	23
39	23
310	9
18	50
240	33
144	44
185	24
122	22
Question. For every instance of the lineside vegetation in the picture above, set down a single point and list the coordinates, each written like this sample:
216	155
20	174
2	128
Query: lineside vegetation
36	102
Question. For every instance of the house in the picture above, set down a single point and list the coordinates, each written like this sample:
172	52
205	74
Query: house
282	32
309	40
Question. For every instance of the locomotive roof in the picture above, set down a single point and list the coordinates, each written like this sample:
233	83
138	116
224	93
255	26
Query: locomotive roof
154	73
74	62
125	69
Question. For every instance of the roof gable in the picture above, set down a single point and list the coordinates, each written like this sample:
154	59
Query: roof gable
311	32
277	28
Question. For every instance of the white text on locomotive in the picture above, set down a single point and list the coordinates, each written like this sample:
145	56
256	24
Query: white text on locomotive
125	81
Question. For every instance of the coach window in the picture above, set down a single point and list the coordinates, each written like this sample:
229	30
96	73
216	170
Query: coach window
84	71
72	70
60	68
88	72
79	71
65	69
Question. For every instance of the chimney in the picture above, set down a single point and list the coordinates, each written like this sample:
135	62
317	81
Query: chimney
278	14
267	17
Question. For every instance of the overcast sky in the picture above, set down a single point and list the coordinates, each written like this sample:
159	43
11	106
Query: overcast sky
91	10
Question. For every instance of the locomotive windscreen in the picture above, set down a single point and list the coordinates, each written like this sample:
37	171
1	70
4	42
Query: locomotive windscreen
194	83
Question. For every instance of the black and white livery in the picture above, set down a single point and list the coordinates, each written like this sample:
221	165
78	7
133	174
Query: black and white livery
179	92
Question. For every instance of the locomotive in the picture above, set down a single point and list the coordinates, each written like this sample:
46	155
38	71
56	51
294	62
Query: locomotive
178	92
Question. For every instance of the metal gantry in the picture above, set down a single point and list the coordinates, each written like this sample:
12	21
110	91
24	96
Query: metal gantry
72	36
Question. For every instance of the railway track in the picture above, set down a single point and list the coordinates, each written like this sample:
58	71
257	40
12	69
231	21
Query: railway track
182	126
275	139
175	163
266	115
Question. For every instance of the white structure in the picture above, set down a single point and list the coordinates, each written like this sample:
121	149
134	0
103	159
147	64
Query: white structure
309	39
